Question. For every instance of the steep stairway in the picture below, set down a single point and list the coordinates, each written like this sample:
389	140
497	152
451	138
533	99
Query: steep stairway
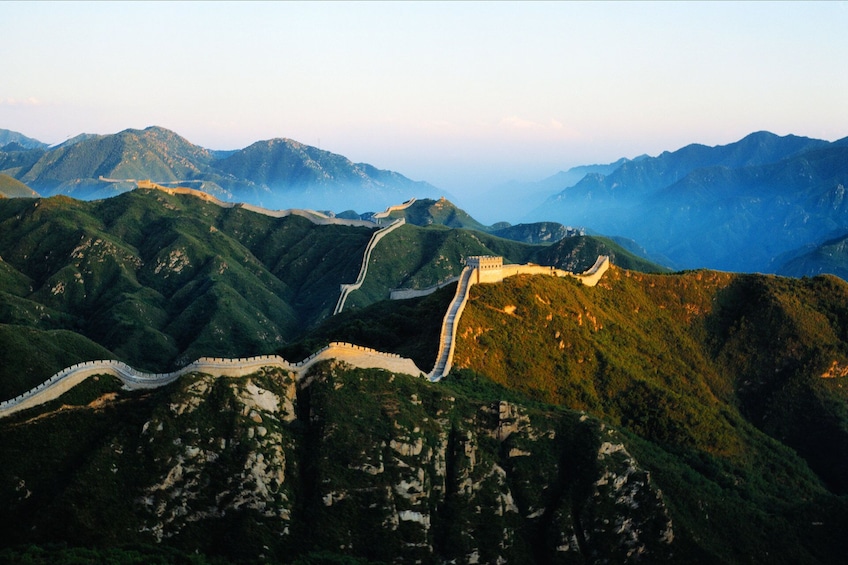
444	360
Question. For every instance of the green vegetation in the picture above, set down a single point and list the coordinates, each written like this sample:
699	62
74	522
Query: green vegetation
409	328
426	212
719	375
160	280
418	258
29	355
473	459
13	188
695	417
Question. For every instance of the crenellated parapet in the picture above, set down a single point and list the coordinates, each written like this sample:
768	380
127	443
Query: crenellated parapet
133	379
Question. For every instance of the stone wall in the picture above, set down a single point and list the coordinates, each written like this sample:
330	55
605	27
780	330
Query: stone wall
396	208
311	215
66	379
358	356
346	289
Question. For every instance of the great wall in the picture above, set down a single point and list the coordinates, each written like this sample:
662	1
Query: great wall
479	269
312	215
133	379
363	270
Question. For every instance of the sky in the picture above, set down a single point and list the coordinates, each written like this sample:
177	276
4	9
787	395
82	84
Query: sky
463	95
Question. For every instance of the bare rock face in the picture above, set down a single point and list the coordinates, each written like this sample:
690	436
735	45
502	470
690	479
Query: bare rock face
385	468
251	449
443	480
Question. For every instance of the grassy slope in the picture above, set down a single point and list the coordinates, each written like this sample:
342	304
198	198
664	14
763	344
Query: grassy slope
160	280
720	373
13	188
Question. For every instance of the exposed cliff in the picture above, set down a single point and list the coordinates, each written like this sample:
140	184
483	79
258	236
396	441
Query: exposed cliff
379	466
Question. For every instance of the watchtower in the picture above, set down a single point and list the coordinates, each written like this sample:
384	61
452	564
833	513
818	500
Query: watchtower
489	268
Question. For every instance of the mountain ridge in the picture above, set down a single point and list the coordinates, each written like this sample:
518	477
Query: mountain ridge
660	463
272	171
732	207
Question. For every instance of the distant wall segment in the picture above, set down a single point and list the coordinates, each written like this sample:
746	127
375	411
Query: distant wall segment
311	215
346	289
395	208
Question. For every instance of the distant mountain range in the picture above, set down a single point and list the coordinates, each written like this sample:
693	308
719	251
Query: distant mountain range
736	207
14	141
279	173
514	199
750	206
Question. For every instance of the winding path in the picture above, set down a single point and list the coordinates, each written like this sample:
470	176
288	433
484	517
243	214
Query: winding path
363	270
444	359
311	215
396	208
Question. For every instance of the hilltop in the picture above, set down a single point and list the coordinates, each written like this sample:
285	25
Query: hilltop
274	173
13	140
13	188
442	212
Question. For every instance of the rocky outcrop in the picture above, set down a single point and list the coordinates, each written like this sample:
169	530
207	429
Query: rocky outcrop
366	463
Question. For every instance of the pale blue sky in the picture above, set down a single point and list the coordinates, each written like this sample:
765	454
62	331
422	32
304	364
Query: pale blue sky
460	95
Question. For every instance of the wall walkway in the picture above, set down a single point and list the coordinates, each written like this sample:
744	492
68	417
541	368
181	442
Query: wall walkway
444	359
311	215
396	208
